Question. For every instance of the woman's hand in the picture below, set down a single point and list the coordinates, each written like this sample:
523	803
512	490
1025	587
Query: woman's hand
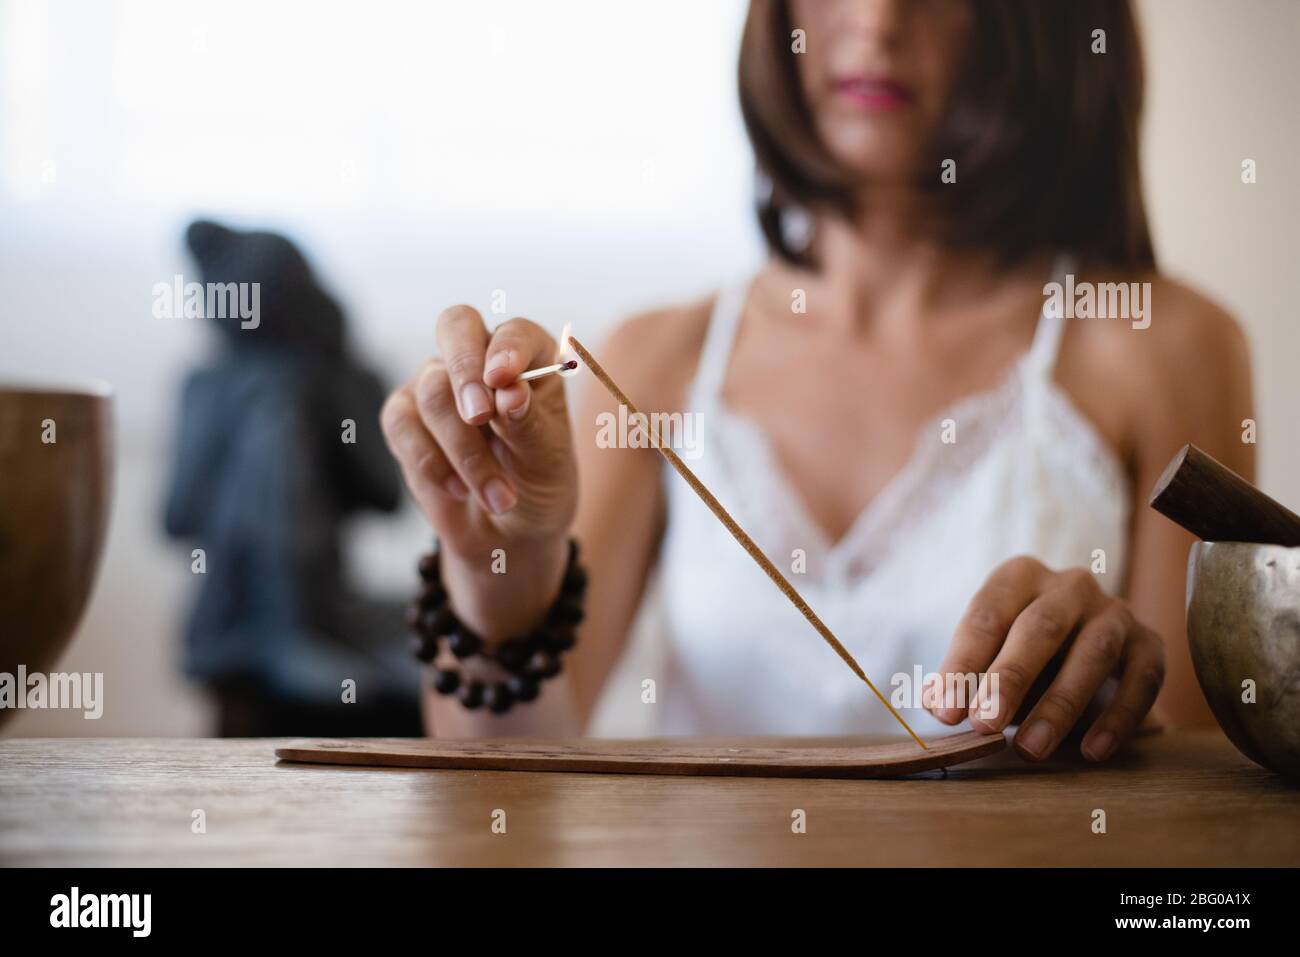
489	459
1024	621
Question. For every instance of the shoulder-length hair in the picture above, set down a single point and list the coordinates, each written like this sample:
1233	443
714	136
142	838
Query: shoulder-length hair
1044	131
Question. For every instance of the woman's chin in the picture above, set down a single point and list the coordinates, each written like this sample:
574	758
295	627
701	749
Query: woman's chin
876	156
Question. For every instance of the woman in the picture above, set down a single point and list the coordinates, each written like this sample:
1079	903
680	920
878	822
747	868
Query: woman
959	467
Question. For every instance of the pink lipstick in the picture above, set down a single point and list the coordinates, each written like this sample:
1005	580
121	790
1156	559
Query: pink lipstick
874	93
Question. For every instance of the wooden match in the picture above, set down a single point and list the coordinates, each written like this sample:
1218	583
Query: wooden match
738	533
548	370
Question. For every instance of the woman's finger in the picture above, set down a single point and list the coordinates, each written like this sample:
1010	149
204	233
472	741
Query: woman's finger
982	630
425	469
1094	656
462	340
531	419
465	446
513	402
515	347
1139	684
1034	640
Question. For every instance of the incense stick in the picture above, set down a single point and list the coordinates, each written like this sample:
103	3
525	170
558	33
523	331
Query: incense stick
734	528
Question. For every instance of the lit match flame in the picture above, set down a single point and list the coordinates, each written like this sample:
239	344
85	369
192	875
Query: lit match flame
566	354
566	362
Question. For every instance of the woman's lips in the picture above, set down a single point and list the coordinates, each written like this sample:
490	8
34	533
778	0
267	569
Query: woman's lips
874	93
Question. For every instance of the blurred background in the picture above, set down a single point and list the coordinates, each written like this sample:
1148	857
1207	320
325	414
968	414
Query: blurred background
574	161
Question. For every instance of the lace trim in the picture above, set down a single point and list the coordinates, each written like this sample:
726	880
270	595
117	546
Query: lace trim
931	476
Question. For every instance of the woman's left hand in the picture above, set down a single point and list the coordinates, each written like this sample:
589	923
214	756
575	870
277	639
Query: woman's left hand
1025	619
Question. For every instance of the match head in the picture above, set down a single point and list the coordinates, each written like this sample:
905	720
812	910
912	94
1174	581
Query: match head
571	364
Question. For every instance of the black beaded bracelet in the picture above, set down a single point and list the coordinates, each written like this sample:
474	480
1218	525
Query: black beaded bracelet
530	660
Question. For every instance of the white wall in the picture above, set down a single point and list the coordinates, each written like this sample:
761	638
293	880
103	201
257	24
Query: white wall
585	157
1222	88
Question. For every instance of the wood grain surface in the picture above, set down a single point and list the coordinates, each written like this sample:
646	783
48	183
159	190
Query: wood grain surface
1171	799
732	759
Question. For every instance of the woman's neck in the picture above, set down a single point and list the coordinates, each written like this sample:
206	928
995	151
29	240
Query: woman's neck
882	271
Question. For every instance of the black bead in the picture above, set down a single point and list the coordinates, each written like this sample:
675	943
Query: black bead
429	566
471	695
523	687
498	698
568	611
446	682
438	621
464	643
544	665
513	655
562	638
575	580
424	647
432	595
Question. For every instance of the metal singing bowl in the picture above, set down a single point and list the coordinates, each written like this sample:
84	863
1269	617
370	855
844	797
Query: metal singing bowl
1243	624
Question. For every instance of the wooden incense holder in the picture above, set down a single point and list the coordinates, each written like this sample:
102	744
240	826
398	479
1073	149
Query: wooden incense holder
1216	504
679	756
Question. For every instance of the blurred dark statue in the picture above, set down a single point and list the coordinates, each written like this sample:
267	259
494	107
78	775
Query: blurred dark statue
264	479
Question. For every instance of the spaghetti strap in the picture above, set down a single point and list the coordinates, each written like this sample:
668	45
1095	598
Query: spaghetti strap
1051	324
718	340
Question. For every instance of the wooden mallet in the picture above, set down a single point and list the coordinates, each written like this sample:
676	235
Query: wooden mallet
1216	504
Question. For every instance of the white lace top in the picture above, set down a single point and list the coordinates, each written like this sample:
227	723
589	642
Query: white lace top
1027	474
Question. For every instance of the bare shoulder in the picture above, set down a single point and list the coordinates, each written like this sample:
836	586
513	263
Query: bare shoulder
1179	374
1191	332
1194	351
1165	325
653	355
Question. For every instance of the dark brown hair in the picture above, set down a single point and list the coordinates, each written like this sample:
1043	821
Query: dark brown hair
1044	132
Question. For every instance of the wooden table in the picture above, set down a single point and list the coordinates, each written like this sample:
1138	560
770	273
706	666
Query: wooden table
1171	799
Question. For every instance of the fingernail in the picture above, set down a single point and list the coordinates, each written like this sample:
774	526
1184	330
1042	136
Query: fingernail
930	695
989	714
499	496
454	487
989	706
940	707
474	401
1037	739
497	361
519	413
948	715
1101	747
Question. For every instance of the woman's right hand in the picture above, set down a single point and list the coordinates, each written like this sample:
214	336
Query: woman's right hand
489	459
